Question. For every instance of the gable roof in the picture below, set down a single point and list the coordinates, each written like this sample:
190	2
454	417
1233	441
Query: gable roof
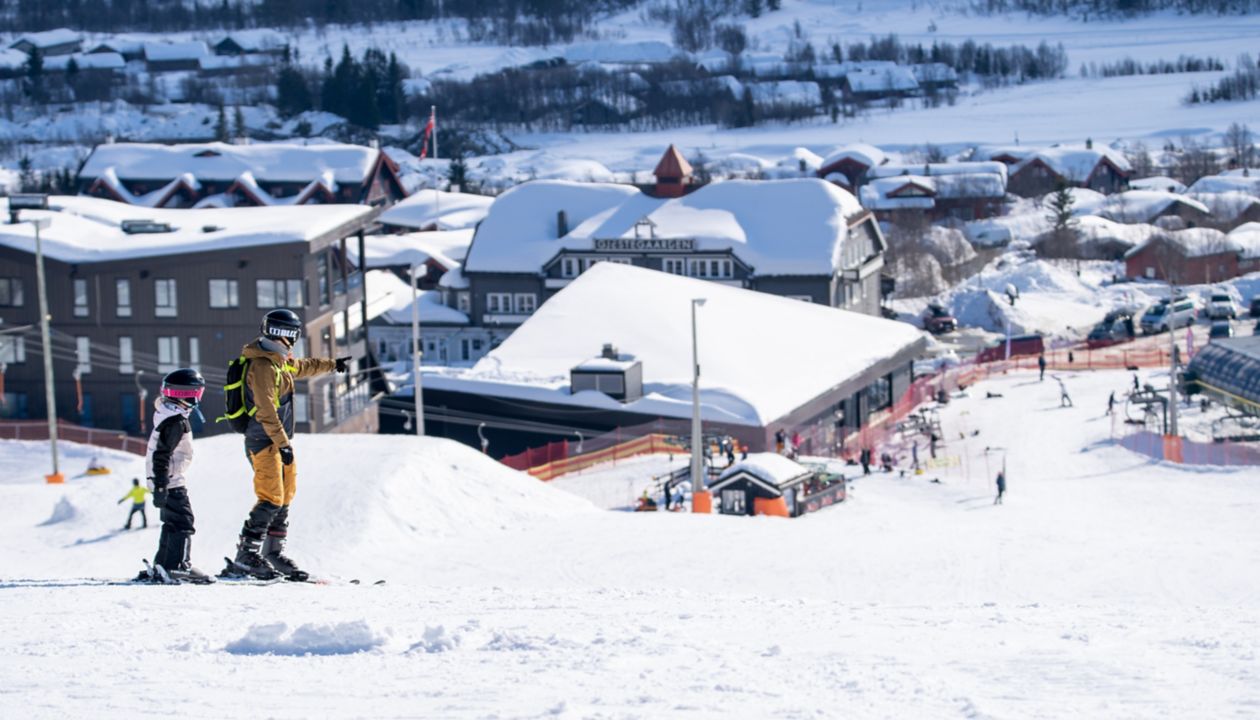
425	209
1074	163
867	155
172	51
48	38
221	162
802	350
780	227
1144	205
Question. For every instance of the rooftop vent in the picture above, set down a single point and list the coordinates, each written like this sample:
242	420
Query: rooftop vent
210	228
141	227
619	377
609	352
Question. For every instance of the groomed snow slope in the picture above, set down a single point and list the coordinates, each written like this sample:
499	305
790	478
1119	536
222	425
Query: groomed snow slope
1106	586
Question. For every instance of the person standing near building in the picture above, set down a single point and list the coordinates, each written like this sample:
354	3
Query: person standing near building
1001	487
1041	366
780	440
136	494
168	460
269	385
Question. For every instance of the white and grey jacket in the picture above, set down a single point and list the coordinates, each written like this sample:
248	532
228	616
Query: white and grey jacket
170	444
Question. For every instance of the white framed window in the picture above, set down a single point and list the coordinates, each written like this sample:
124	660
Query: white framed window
569	267
1150	272
164	298
698	267
279	293
463	302
674	266
168	353
225	294
525	303
12	350
83	354
194	353
498	302
80	297
122	292
301	407
11	294
126	362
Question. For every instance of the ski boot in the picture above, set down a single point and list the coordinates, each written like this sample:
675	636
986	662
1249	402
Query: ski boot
273	553
248	563
183	570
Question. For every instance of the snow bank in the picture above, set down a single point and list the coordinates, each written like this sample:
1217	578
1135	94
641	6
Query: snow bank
343	638
63	511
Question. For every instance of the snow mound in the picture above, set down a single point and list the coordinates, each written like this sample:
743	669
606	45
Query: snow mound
343	638
63	511
435	640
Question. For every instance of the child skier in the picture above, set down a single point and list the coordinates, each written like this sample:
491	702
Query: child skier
136	495
169	457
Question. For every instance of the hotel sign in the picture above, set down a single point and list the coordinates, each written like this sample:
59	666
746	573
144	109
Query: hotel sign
646	245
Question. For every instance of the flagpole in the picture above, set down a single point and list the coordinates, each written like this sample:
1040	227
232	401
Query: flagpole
437	190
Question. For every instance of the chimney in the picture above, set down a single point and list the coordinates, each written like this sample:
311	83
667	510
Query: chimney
609	352
562	224
1089	143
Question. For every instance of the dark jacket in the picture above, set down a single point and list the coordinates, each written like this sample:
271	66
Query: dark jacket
1001	482
269	388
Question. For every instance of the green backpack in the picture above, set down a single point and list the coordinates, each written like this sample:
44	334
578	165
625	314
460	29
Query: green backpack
235	401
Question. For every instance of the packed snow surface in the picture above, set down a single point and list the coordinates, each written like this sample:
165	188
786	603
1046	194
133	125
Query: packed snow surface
1106	585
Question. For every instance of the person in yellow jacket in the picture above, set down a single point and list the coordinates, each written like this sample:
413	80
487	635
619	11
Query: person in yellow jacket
269	394
136	494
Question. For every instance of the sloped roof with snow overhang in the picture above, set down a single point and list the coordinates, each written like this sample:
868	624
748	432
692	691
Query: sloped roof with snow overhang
796	353
780	227
1075	163
86	229
437	209
267	162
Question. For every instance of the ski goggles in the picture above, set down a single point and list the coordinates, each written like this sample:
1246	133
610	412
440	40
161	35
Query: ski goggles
284	332
193	394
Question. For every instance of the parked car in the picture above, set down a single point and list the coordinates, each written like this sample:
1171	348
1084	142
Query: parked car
1116	327
1221	305
1220	329
1255	306
1020	345
937	320
1164	316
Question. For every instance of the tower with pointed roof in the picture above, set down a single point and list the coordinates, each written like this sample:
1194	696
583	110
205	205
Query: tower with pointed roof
672	174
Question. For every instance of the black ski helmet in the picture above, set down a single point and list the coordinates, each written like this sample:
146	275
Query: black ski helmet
282	324
185	385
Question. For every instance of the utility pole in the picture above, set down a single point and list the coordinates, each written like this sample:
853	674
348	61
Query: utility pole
416	352
701	501
1172	361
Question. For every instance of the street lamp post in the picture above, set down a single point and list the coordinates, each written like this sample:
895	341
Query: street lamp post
18	203
416	351
701	500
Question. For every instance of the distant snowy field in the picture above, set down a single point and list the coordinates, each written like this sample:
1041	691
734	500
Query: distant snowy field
1106	586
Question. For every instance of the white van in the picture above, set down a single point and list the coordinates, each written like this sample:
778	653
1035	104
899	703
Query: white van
1164	316
1221	305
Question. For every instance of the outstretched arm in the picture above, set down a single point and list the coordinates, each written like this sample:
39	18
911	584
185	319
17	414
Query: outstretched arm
310	367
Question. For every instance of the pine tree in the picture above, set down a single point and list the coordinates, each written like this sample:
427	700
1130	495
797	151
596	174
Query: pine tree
221	126
293	97
238	123
35	74
1062	240
26	174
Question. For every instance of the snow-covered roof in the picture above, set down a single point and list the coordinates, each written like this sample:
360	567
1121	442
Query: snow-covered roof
446	247
772	468
48	38
1145	205
454	279
426	209
268	162
12	59
121	45
988	152
1095	230
86	229
1247	238
1158	182
226	62
798	351
1227	183
1228	205
877	194
1193	242
647	51
896	78
153	198
259	40
171	51
868	155
880	194
939	169
780	227
1074	163
934	73
90	61
621	363
390	297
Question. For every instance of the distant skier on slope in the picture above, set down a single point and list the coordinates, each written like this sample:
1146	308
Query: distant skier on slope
169	457
1001	487
137	495
269	391
1065	400
1041	367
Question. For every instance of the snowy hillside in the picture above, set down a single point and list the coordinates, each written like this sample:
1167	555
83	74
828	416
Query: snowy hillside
1106	585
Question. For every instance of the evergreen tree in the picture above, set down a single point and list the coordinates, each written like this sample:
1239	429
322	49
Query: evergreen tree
26	174
1062	239
238	122
293	97
221	126
35	74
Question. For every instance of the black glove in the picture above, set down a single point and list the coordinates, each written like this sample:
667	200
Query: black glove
159	492
286	455
343	364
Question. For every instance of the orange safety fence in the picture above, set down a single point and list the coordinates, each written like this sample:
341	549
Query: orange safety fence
38	430
644	445
1185	451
